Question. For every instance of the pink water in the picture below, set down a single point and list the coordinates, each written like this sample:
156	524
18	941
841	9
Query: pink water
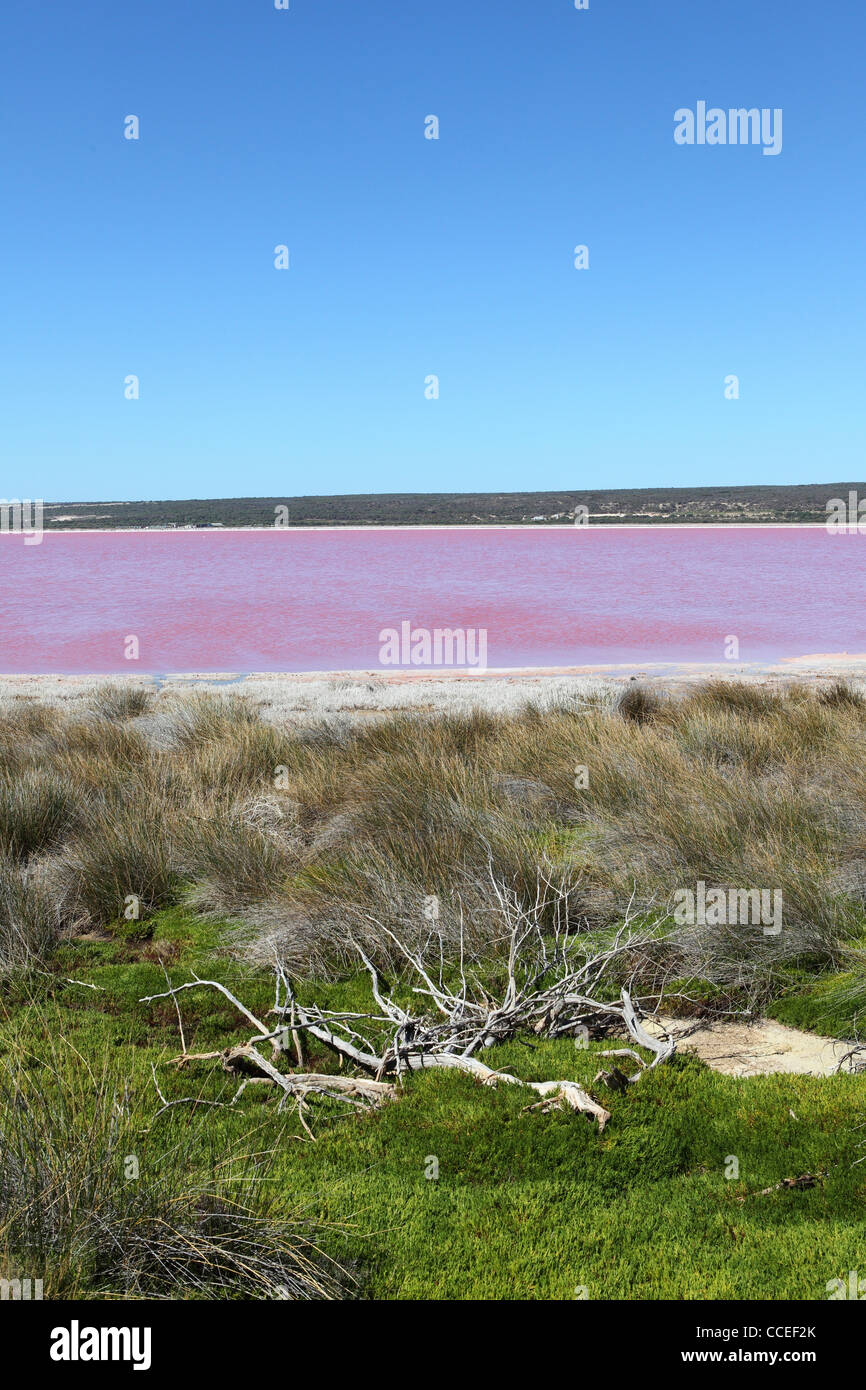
317	600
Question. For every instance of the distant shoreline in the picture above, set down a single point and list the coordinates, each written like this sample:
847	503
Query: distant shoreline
790	504
474	526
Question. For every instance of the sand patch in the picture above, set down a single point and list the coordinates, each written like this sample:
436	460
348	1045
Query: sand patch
762	1048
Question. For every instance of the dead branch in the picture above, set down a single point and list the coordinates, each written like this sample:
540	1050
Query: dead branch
855	1057
237	1060
194	983
805	1180
553	976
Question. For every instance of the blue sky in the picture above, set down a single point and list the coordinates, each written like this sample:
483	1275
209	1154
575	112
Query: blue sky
412	257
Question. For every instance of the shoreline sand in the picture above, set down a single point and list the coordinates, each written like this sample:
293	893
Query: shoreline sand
322	694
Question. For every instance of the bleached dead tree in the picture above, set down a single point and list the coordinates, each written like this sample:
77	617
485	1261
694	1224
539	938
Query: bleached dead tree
447	1015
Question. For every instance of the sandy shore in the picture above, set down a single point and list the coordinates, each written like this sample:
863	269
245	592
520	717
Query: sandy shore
316	694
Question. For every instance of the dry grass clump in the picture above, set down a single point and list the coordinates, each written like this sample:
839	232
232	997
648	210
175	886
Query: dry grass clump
122	865
639	704
199	718
36	807
742	697
311	835
842	693
29	918
121	702
236	858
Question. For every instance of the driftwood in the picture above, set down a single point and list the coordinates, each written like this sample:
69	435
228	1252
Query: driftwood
805	1180
553	977
663	1048
362	1091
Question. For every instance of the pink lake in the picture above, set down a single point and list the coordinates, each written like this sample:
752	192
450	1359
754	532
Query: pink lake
305	600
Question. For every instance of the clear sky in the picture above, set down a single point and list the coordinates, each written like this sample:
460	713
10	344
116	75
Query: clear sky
411	257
